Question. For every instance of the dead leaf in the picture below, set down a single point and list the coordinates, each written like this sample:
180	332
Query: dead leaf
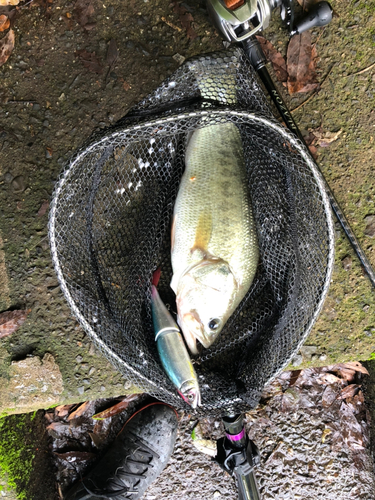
185	18
314	152
329	396
6	47
90	61
63	410
112	53
4	22
118	408
43	209
323	139
294	377
84	410
307	4
325	433
349	391
329	378
4	3
276	59
83	11
97	440
353	365
301	56
125	84
10	321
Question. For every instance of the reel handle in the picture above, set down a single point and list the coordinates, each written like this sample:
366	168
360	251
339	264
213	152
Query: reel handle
319	15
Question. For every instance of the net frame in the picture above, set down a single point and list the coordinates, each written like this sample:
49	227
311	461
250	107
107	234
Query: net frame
234	397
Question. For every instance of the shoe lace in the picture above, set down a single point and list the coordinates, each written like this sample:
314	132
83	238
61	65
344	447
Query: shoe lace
126	480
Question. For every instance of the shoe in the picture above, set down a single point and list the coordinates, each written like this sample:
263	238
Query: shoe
137	457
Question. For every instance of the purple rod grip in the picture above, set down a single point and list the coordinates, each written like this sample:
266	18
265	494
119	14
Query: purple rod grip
236	437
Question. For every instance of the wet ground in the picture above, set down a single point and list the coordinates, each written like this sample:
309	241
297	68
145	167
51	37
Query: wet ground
64	80
312	428
78	66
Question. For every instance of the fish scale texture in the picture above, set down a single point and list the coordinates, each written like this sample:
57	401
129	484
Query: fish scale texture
110	224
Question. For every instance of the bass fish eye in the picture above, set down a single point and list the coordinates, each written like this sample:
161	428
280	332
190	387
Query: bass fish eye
214	324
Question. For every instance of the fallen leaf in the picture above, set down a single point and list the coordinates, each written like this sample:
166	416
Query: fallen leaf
276	59
112	53
349	391
4	22
370	225
185	19
118	408
43	209
314	152
6	47
301	56
329	378
83	11
325	433
10	321
4	3
63	410
323	139
294	377
125	85
355	365
84	410
307	4
329	396
90	61
97	440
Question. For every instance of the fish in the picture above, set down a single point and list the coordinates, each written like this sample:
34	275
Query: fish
172	351
214	244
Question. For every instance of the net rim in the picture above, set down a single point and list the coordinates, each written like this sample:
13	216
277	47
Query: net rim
111	135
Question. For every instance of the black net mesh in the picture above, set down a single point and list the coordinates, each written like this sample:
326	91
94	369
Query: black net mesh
110	229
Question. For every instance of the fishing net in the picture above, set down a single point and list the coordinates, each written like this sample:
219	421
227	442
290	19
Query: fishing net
110	224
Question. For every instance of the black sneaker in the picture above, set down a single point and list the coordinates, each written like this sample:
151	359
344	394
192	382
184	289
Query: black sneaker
139	454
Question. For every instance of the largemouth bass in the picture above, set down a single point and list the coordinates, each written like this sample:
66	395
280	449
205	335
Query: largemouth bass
214	242
173	353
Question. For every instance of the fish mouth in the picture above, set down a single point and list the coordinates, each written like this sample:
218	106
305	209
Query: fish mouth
193	334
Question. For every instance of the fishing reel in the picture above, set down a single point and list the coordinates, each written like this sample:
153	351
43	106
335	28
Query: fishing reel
238	20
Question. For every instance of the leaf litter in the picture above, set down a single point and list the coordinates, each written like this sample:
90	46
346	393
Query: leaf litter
6	46
10	321
83	12
275	57
186	19
90	61
4	22
77	439
301	64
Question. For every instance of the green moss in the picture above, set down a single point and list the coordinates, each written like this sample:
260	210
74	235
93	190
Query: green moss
16	459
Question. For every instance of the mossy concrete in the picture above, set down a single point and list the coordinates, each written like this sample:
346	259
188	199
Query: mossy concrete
50	103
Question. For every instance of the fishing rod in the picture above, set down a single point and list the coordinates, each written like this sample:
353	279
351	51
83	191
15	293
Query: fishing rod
238	456
238	21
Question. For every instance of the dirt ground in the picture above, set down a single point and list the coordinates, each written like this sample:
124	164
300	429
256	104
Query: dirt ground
53	95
